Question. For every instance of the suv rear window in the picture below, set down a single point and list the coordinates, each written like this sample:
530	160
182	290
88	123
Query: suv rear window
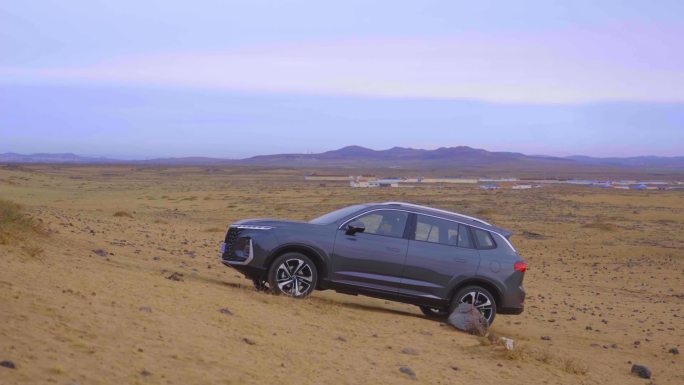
484	239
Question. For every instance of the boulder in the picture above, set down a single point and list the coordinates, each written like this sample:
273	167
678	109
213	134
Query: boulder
641	371
468	319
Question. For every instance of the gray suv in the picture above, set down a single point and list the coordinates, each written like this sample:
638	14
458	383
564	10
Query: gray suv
415	254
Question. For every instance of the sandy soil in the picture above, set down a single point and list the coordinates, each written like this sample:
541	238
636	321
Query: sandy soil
605	283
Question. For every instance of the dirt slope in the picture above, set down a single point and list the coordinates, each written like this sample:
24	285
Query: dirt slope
95	306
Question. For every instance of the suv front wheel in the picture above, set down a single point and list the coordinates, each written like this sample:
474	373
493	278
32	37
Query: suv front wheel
293	274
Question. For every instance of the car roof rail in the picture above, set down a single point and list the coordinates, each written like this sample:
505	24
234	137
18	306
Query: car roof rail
437	210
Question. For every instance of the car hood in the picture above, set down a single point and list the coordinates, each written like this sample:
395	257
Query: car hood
268	222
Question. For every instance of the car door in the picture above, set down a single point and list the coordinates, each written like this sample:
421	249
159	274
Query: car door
440	253
373	259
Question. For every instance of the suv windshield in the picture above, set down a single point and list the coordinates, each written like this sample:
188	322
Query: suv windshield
336	215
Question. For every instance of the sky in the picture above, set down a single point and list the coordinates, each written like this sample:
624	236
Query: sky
234	79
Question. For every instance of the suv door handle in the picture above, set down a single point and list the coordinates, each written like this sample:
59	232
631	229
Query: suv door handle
393	249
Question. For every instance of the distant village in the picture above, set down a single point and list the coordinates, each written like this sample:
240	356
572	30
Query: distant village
372	181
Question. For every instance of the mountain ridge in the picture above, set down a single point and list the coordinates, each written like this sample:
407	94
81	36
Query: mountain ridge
356	155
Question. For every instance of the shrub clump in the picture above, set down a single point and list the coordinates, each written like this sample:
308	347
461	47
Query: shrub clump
14	223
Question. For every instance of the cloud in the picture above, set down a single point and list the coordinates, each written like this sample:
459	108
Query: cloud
571	66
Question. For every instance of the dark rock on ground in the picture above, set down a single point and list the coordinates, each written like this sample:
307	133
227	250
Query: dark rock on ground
249	341
546	338
409	372
176	277
468	319
8	364
340	338
225	310
673	351
410	351
100	252
533	235
641	371
145	373
145	309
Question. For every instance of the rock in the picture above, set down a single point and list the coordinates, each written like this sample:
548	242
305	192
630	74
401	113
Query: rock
546	338
455	368
410	351
673	351
641	371
145	373
468	319
100	252
225	310
533	235
176	277
249	341
508	343
145	309
409	372
340	338
8	364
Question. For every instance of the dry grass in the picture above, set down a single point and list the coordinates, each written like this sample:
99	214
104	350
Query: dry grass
15	223
93	302
485	212
573	367
214	230
598	225
123	214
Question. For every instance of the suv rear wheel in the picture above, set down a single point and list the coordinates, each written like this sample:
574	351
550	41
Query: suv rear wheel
293	274
480	297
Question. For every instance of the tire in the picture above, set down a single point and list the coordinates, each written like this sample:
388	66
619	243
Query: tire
433	312
485	301
282	270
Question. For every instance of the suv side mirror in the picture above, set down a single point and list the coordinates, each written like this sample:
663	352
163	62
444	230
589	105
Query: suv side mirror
354	227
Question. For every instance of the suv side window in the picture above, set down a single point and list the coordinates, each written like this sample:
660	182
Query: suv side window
464	237
484	239
389	223
435	230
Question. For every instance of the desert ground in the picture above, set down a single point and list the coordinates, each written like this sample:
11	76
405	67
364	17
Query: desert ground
85	294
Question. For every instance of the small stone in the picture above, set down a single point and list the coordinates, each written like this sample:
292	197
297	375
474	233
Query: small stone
100	252
546	338
175	277
145	309
409	372
225	310
641	371
613	346
455	368
410	351
674	351
8	364
249	341
340	338
145	373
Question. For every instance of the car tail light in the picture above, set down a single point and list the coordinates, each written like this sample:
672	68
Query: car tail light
520	266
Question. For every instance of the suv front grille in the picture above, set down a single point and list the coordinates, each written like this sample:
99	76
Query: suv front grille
232	235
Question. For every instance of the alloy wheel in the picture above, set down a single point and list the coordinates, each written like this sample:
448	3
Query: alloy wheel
294	277
481	301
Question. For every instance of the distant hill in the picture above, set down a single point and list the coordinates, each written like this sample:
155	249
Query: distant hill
461	157
405	158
